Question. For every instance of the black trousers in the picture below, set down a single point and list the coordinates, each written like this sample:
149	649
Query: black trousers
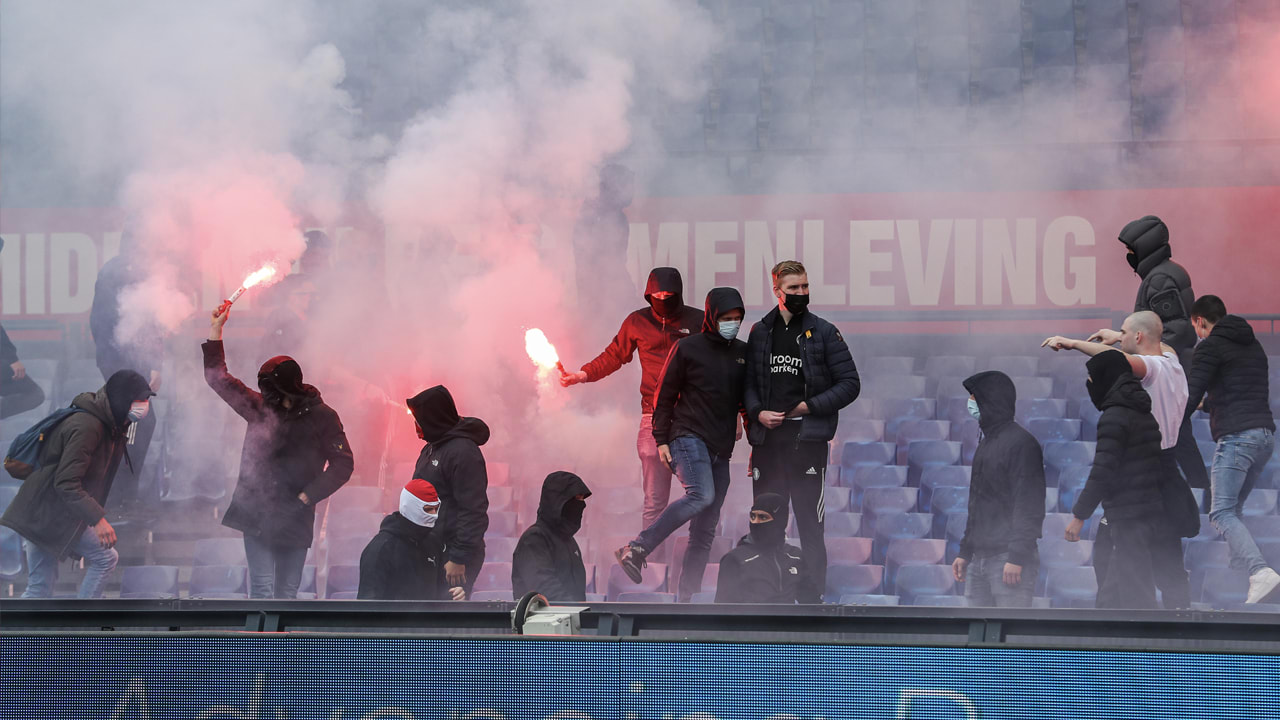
1187	452
797	471
18	396
1123	561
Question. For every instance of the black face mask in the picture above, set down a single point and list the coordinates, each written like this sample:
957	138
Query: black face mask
795	304
1132	257
571	515
271	393
768	534
1096	393
666	307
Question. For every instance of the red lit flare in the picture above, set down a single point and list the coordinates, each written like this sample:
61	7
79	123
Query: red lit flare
541	351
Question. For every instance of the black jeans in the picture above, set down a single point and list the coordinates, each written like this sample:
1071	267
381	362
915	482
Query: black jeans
1122	562
797	470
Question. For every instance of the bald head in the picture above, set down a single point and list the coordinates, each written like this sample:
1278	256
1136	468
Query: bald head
1140	333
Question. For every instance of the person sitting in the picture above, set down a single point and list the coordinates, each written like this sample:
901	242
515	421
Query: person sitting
547	559
763	568
402	562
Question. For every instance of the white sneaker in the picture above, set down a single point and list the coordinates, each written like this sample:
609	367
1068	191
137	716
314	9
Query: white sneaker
1261	584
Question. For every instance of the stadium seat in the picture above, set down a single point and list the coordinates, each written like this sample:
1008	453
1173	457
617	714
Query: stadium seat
954	532
938	476
789	131
502	499
1089	421
739	95
875	367
946	500
855	454
306	588
346	550
1260	502
1051	499
842	524
890	53
706	597
1058	455
900	409
1056	552
1033	387
897	526
967	433
645	597
1207	451
1050	15
861	430
927	453
720	547
1053	49
914	580
680	133
1263	527
954	410
219	551
342	522
1072	587
493	576
863	408
507	524
911	430
218	581
653	579
960	366
1200	555
1043	407
1055	525
868	599
499	549
1224	587
369	499
844	579
848	550
344	579
1015	366
1054	429
836	499
151	582
1207	530
882	500
1200	428
735	132
940	601
894	387
912	551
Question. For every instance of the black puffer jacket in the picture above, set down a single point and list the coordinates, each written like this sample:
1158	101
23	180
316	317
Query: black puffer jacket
700	393
752	573
455	467
1006	497
1127	465
830	376
547	558
1166	286
402	562
1231	366
286	452
650	335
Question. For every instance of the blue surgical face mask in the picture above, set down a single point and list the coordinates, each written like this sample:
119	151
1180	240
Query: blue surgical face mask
729	328
973	409
139	410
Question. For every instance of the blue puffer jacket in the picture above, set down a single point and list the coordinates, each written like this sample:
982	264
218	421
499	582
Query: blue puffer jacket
830	376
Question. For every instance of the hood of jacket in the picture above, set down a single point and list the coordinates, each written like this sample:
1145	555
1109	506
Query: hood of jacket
996	396
401	526
559	488
473	429
434	411
124	388
1111	370
1234	329
720	301
664	279
98	405
1148	238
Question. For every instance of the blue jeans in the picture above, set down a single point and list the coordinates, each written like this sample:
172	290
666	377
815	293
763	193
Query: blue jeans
655	473
273	571
984	582
42	567
1237	464
705	478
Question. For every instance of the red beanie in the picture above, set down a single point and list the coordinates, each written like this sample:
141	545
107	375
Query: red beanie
423	490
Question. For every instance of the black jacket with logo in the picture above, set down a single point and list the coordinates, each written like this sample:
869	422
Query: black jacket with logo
1231	367
1166	286
830	376
547	558
1127	465
1006	495
402	562
649	335
753	573
700	392
455	467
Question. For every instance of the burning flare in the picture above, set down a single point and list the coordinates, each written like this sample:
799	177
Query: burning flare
541	351
257	277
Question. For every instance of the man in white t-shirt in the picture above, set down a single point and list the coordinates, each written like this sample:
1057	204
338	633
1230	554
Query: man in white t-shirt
1157	366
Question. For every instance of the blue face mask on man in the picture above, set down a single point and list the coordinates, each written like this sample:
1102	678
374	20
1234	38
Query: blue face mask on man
729	328
973	409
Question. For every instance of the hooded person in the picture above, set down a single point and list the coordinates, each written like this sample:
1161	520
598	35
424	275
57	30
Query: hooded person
295	454
547	558
452	462
1125	479
403	561
696	421
998	560
649	332
763	568
59	510
18	392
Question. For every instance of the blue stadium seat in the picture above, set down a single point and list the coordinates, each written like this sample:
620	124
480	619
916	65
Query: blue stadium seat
1103	14
793	59
345	550
873	367
682	132
645	597
1055	552
746	20
218	581
739	95
1260	502
499	549
1014	365
654	579
940	601
1207	530
845	579
501	499
792	22
946	500
894	500
152	582
912	551
923	408
590	570
369	499
911	429
345	579
998	51
1033	387
959	366
861	430
945	88
1263	527
927	453
842	524
1055	525
898	526
737	132
1224	587
915	580
720	547
307	588
868	599
895	387
1200	555
848	550
857	454
864	408
219	551
1059	455
836	499
1051	499
1270	548
1200	428
1089	422
617	498
1072	587
791	96
505	524
1160	13
342	522
942	476
741	59
890	53
844	59
493	576
1028	408
967	433
1054	429
1047	15
954	532
998	16
790	131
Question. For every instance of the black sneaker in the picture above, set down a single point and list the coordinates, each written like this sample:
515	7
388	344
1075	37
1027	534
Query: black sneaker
631	559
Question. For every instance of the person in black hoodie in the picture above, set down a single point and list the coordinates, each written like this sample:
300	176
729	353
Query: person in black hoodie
998	559
763	568
1230	367
1125	479
650	332
402	562
547	558
1166	291
295	454
18	392
695	424
800	374
452	462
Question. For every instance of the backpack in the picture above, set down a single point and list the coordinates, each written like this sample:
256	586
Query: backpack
23	457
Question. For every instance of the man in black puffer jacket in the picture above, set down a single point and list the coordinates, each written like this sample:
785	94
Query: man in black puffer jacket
763	568
452	462
295	455
547	558
1125	479
800	374
1230	366
998	553
1166	291
402	562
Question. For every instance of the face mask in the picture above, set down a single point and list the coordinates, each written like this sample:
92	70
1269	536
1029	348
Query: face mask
768	533
729	328
665	307
271	393
1133	260
795	304
1096	393
973	409
139	410
571	515
415	510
